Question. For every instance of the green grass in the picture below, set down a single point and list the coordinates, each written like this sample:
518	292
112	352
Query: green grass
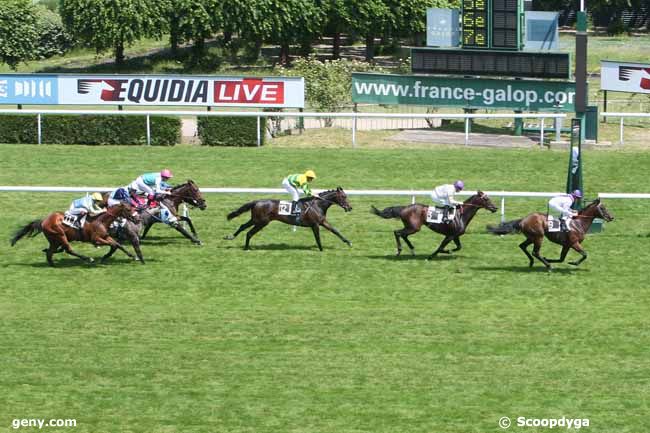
284	338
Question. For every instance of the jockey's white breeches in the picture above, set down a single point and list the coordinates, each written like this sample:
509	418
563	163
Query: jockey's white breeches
563	213
141	187
295	194
77	210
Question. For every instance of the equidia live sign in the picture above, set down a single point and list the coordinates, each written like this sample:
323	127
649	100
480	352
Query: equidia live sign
151	90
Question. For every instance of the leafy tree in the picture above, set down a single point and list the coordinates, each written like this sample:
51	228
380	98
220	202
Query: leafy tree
195	20
370	18
18	34
53	39
114	24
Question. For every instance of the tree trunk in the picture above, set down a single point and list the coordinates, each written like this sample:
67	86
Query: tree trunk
305	46
174	36
370	48
285	58
198	49
119	53
227	37
336	46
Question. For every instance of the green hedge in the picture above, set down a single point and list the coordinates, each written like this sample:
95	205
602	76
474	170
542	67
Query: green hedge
86	129
230	131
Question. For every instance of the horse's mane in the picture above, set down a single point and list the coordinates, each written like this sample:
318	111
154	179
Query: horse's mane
188	183
590	205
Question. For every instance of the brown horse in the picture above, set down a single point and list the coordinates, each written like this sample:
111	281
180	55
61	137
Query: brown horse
60	235
188	193
535	227
415	215
313	215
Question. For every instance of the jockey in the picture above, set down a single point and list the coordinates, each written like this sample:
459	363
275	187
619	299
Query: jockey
562	205
443	196
152	183
89	205
294	181
120	195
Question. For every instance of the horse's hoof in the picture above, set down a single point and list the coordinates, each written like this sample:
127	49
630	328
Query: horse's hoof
199	243
228	238
91	260
349	244
574	263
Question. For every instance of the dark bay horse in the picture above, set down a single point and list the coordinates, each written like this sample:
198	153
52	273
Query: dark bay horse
415	216
188	193
60	235
535	227
313	215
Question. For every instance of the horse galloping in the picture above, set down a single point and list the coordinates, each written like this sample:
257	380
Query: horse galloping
188	193
414	217
313	215
535	228
60	235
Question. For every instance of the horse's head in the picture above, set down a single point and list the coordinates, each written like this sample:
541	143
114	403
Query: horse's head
190	193
599	210
482	201
337	196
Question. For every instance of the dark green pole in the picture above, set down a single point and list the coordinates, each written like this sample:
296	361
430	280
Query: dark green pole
581	70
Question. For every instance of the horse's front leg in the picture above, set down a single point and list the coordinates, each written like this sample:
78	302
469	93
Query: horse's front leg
565	250
457	243
329	227
441	247
581	251
188	220
109	241
185	233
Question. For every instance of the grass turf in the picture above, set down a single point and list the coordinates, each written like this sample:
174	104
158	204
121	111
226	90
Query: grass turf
285	338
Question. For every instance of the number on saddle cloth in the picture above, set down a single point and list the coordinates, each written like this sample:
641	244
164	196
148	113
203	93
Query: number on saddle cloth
555	225
70	220
435	214
287	208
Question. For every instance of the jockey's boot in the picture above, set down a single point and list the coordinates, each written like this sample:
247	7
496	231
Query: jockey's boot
563	225
445	215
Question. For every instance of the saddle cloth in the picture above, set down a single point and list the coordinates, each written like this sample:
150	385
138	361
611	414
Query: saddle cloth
70	220
289	207
435	214
554	224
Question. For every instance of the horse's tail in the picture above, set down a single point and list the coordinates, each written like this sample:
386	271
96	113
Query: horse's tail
389	212
505	228
241	210
32	229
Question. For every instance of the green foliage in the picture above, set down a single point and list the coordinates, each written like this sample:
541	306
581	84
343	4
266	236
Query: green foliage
328	84
53	39
230	131
93	130
114	24
195	20
18	33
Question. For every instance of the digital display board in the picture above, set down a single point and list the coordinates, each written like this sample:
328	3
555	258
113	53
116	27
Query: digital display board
490	63
474	24
505	24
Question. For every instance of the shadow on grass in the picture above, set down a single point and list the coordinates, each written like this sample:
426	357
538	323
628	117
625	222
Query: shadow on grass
276	247
406	257
526	269
73	262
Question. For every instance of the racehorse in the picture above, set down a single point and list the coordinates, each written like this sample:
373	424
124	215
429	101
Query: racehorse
535	227
188	193
60	235
415	215
313	215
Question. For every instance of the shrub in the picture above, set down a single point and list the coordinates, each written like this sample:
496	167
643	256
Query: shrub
230	131
92	130
52	37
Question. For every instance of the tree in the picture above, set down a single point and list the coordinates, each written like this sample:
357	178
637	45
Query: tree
18	34
370	18
195	20
114	24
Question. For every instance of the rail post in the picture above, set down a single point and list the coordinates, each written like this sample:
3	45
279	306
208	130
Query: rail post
38	121
503	208
259	136
466	131
541	132
620	134
148	130
354	130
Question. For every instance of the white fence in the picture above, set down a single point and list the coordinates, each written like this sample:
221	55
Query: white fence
354	192
259	114
622	116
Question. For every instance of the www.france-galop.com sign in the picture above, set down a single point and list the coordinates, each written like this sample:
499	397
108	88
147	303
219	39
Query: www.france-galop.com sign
524	95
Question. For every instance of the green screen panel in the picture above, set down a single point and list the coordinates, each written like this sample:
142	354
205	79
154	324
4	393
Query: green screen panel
475	24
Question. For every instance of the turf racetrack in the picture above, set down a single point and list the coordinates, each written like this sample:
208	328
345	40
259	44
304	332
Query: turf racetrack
287	339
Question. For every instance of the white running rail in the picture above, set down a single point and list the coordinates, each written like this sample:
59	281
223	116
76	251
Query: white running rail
606	114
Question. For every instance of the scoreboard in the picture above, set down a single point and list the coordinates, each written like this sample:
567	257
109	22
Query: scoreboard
491	24
475	24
